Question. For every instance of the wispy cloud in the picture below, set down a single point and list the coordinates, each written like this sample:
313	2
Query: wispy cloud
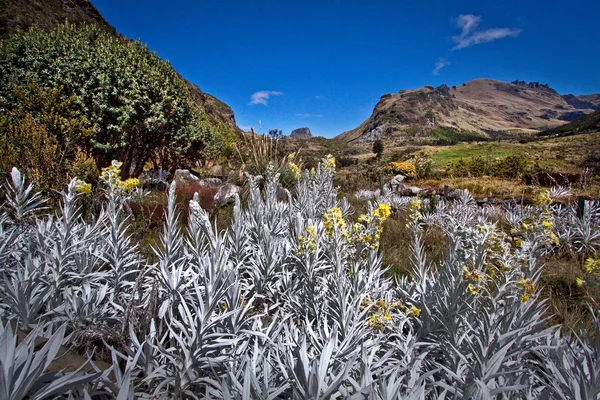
245	128
309	115
439	64
319	97
262	97
469	36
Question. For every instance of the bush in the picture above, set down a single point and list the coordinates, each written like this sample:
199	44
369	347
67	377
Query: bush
133	105
378	148
403	168
513	166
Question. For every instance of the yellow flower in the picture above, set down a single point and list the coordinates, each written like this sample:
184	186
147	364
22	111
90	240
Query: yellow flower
329	164
295	169
333	220
387	316
128	184
413	311
580	282
547	224
473	289
83	187
528	287
383	211
308	243
591	266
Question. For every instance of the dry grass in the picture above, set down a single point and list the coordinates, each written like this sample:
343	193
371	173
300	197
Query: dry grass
396	241
568	303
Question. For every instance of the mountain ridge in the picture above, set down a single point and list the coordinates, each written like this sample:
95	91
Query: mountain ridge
481	105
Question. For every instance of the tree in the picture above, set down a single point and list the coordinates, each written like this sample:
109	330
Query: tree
134	104
378	148
275	134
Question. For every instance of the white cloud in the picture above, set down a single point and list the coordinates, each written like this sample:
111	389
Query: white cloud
245	128
309	115
319	97
262	97
470	37
439	64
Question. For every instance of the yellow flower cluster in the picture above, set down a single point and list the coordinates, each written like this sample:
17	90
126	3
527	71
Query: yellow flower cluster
543	199
328	164
591	266
542	223
111	172
129	184
383	311
370	226
414	212
333	221
405	168
307	243
528	288
110	175
383	212
476	280
83	187
295	169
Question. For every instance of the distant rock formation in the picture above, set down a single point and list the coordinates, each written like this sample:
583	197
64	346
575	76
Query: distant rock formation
301	133
481	105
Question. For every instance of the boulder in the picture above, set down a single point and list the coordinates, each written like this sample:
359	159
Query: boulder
301	133
455	194
185	176
226	194
396	183
410	191
210	182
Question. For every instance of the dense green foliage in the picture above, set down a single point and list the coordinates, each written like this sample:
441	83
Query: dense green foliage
508	167
590	122
378	148
446	135
130	104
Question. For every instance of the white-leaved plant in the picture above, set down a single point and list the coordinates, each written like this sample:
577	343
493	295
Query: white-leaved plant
292	300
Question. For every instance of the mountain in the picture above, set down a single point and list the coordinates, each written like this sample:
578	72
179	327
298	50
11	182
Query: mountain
482	105
590	122
46	14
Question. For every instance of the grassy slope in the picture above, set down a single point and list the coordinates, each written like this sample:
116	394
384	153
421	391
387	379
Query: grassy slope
590	122
560	152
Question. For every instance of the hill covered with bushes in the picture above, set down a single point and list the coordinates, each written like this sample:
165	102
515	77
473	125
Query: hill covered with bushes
77	92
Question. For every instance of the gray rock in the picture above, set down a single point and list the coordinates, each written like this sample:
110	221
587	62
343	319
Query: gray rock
301	133
455	194
210	182
185	176
410	191
226	194
396	183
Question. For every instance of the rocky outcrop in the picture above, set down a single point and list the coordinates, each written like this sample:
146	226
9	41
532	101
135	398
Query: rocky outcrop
226	194
301	133
481	105
184	176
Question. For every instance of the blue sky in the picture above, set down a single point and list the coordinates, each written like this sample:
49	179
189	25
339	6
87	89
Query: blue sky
324	64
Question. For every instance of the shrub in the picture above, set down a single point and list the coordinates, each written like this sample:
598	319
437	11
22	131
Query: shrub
378	148
403	168
134	105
